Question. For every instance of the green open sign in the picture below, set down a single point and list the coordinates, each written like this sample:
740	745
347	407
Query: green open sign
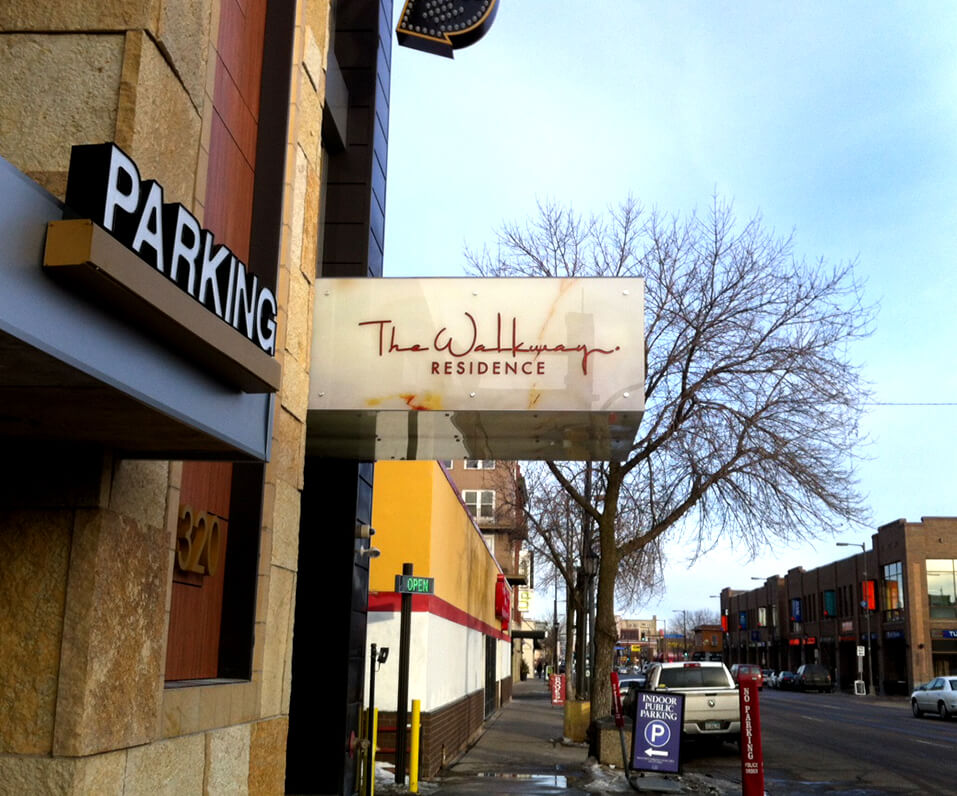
413	584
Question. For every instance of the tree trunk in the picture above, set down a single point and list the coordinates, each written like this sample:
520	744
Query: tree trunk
606	635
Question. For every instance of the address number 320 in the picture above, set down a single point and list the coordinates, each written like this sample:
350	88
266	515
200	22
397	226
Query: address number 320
198	541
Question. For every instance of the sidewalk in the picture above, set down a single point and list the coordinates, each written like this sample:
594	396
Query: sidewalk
522	751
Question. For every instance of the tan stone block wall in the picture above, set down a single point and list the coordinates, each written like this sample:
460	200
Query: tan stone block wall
34	559
276	637
89	86
80	15
267	757
152	98
102	774
110	681
55	91
176	766
227	761
183	23
285	541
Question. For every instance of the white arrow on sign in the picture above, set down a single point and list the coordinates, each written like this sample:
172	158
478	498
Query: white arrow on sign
655	753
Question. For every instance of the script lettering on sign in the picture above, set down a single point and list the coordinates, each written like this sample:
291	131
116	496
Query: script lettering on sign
505	339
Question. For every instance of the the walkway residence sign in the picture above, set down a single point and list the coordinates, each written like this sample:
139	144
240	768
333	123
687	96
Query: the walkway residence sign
441	26
490	368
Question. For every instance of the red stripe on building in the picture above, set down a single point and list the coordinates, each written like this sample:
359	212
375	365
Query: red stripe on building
390	601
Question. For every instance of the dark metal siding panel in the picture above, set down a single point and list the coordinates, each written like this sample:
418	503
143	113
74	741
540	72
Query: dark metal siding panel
355	193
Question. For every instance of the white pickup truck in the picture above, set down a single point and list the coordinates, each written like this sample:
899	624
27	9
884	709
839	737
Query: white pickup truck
712	709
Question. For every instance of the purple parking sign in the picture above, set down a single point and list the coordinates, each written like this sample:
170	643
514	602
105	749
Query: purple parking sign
657	739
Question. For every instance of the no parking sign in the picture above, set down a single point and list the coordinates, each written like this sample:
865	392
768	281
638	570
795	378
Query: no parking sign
657	740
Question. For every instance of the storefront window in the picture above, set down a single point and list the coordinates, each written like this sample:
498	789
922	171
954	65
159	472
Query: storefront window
942	588
893	591
829	603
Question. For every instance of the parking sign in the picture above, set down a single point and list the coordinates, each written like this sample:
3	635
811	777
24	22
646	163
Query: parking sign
657	739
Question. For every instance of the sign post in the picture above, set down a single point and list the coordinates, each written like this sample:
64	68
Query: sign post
860	687
752	758
657	742
619	719
406	584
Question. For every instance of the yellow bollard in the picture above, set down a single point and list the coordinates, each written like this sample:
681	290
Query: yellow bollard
375	744
414	748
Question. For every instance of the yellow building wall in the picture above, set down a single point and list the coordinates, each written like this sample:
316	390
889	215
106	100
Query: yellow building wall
419	518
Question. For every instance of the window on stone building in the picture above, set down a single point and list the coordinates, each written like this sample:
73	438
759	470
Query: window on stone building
479	464
213	603
942	588
762	616
480	503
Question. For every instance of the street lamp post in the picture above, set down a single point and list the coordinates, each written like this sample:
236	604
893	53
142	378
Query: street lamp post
684	630
867	615
555	623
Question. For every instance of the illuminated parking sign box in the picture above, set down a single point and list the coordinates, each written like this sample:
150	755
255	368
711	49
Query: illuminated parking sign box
151	261
494	368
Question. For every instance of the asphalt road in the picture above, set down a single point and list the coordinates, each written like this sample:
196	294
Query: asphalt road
843	744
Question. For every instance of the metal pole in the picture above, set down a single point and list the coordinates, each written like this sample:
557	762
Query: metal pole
402	708
867	619
589	583
581	630
555	619
369	723
414	747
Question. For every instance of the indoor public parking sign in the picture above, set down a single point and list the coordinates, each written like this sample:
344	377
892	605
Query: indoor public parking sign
657	739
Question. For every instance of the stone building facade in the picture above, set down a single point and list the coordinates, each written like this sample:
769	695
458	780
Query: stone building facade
126	666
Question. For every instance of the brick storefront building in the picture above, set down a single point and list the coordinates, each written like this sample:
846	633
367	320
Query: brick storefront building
897	599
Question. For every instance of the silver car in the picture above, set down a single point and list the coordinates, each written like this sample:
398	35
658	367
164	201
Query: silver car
938	696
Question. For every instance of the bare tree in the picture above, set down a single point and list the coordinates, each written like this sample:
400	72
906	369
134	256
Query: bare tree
752	399
702	616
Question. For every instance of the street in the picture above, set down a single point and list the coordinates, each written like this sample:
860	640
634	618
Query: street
837	743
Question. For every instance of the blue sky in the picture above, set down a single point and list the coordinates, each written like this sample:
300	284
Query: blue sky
837	120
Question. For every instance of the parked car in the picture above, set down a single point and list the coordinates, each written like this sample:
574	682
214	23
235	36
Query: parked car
711	704
787	681
629	685
814	677
771	679
747	668
938	696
